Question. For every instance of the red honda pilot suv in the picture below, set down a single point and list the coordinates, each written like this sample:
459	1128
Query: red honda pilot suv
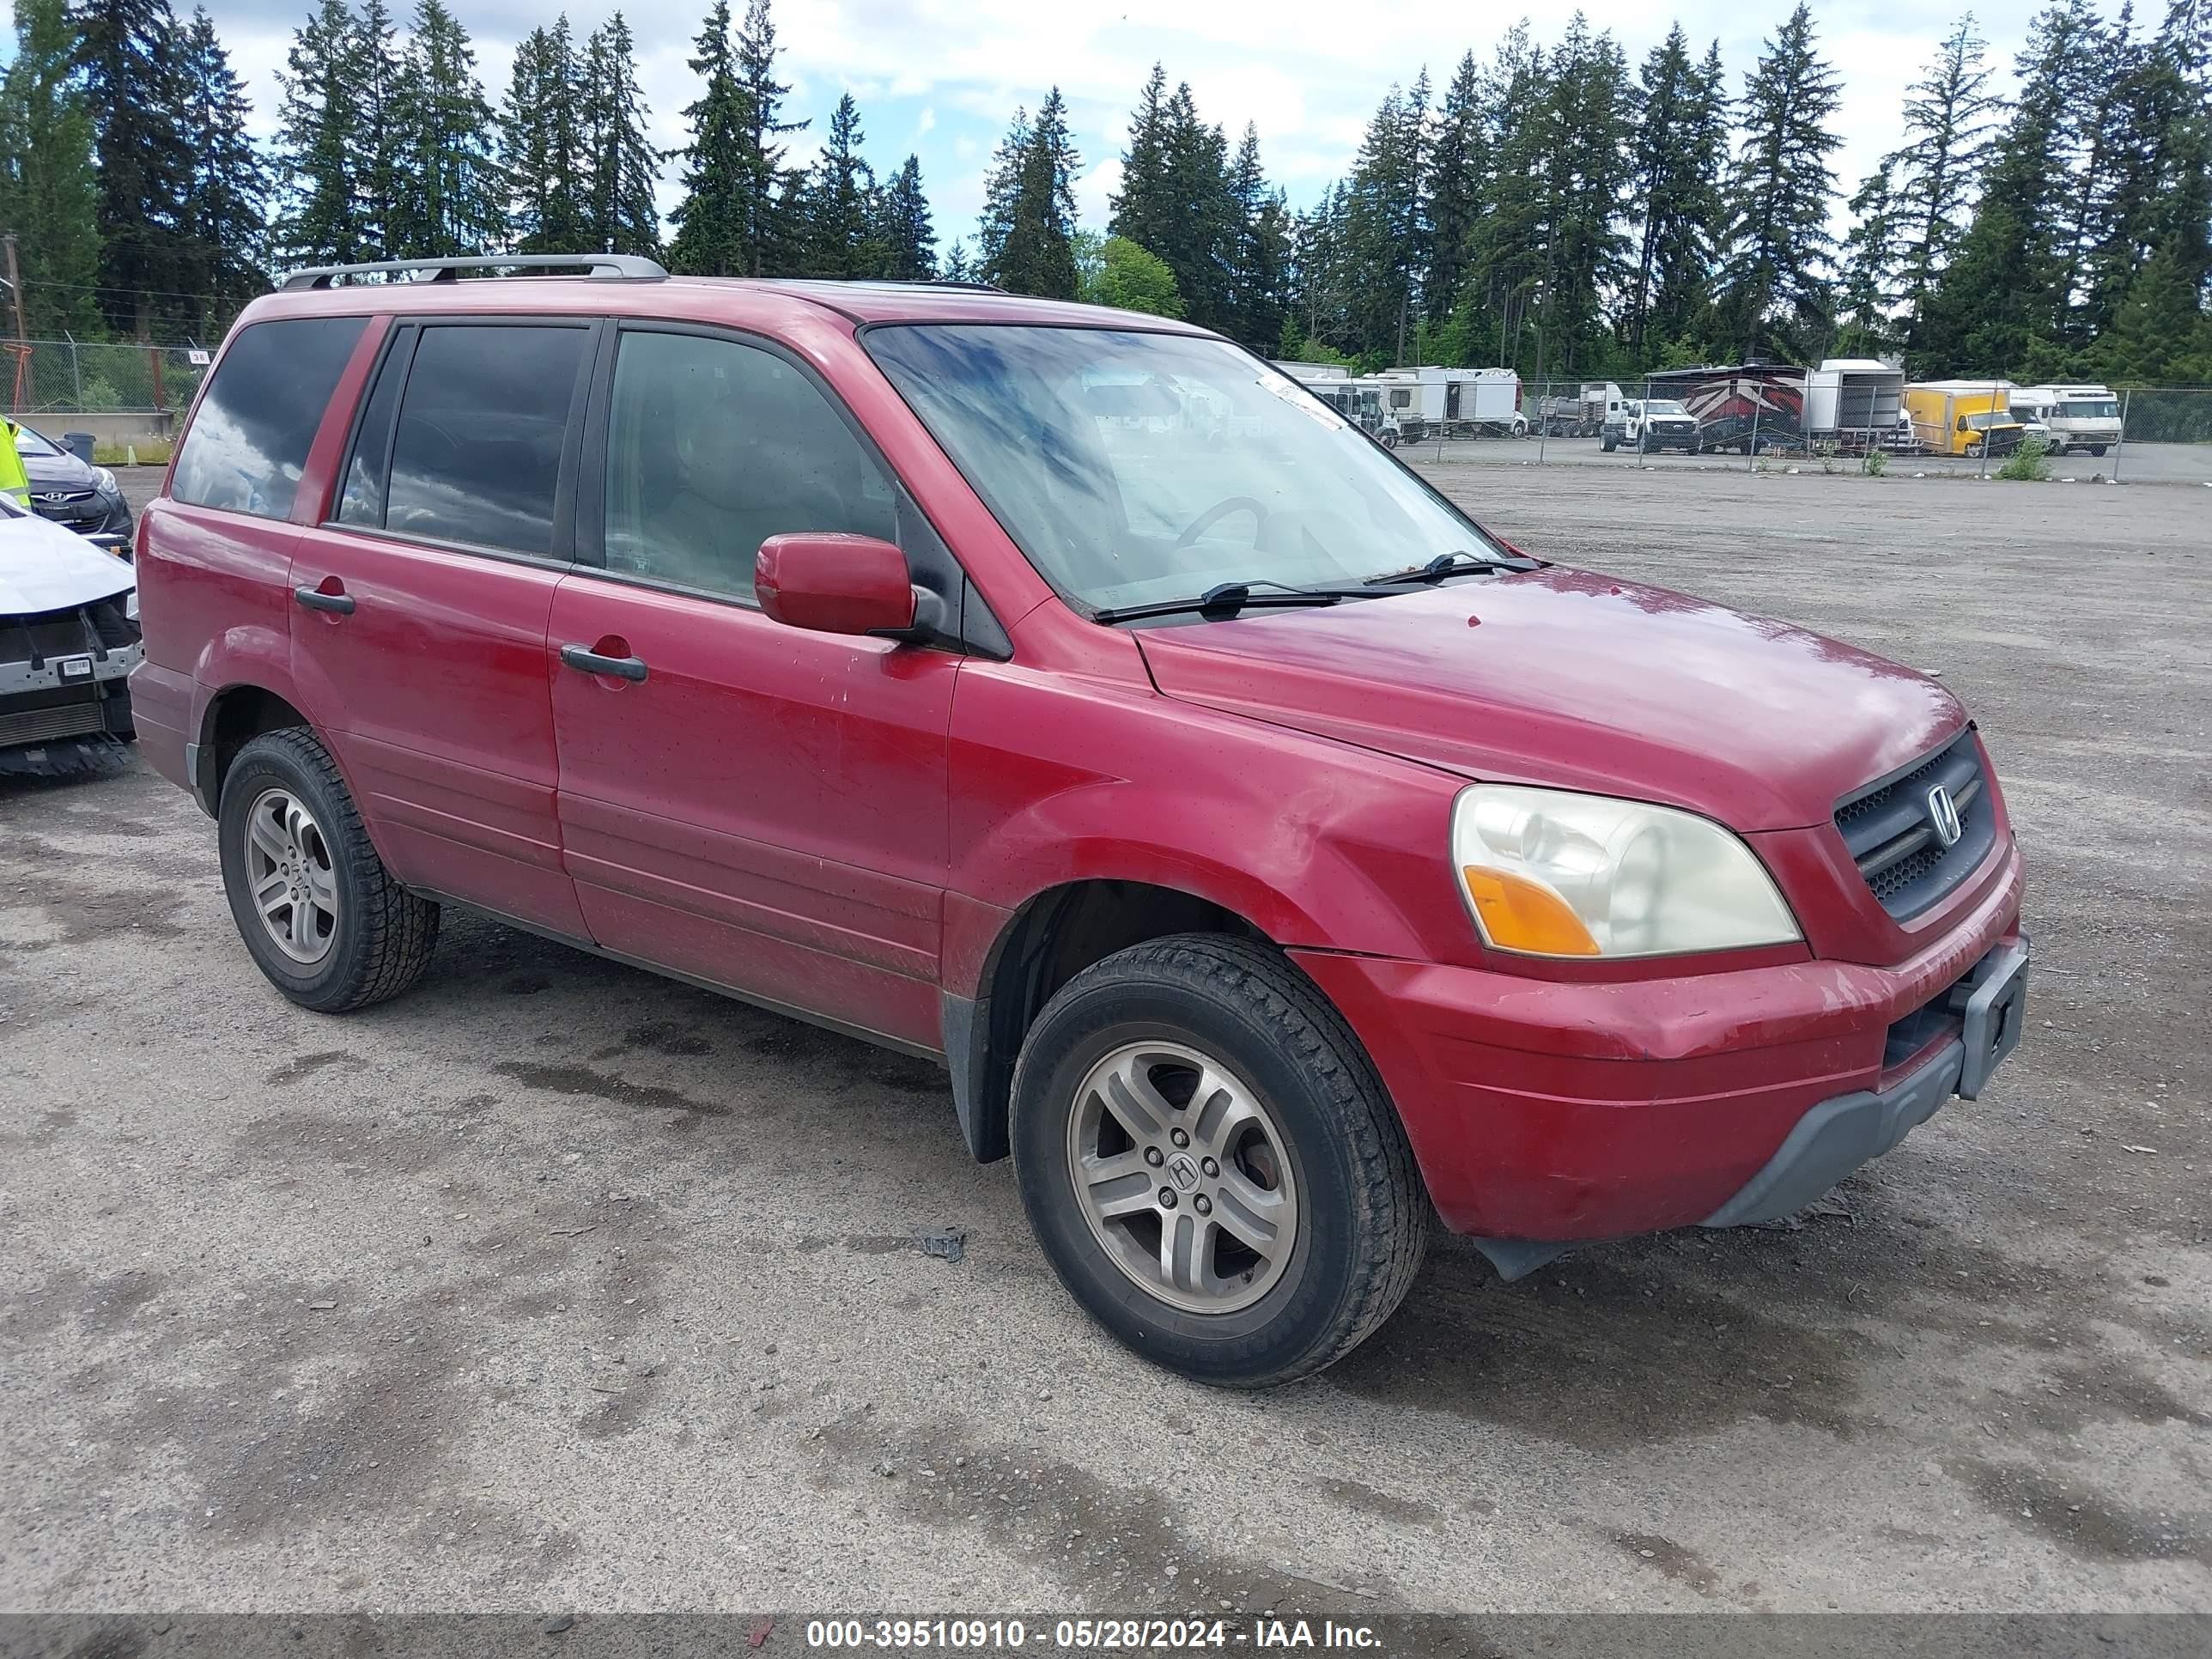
1270	854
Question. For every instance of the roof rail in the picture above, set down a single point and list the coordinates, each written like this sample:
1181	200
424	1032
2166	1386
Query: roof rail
600	267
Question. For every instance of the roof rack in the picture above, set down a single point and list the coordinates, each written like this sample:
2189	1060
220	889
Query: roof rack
599	267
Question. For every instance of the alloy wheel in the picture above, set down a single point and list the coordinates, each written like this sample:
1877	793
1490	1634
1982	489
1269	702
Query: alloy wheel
289	878
1183	1174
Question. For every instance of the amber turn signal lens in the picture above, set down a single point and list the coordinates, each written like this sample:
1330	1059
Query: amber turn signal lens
1518	914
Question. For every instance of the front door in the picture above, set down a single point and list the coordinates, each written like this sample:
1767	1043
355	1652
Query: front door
418	630
746	804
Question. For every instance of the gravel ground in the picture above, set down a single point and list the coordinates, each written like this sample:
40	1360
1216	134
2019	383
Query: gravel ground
2135	463
556	1285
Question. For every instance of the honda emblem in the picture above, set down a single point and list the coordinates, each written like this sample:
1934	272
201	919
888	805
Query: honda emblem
1943	816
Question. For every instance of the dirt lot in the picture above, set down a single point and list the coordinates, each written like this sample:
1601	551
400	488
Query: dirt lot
2134	463
555	1285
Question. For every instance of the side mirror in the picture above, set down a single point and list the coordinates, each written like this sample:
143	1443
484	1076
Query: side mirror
835	584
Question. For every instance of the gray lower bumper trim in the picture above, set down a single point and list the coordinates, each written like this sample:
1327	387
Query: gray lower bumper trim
1835	1137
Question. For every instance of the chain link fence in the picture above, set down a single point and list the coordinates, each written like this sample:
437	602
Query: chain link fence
83	377
1775	414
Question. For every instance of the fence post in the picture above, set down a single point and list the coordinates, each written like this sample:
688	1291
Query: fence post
2125	394
77	372
1751	461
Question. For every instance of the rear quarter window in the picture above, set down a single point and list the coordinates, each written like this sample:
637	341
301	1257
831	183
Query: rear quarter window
248	443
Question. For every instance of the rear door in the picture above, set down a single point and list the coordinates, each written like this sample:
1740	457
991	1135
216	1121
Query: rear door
420	607
764	808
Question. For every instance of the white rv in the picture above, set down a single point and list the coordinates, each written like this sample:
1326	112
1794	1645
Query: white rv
1451	402
2078	416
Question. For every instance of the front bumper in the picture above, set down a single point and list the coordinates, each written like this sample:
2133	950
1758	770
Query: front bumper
1545	1112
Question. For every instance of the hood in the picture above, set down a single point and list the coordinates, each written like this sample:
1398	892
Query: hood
45	568
1563	678
61	470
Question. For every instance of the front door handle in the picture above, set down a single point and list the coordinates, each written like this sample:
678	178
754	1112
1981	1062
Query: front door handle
315	599
585	661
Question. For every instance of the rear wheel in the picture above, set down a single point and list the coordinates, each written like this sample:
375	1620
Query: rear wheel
1211	1165
319	914
2096	449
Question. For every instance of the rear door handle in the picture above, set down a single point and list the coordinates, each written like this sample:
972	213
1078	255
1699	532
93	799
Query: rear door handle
315	599
585	661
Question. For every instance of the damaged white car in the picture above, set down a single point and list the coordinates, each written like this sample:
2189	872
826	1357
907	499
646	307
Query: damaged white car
69	639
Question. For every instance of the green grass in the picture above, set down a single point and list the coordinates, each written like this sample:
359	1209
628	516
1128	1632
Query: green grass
144	452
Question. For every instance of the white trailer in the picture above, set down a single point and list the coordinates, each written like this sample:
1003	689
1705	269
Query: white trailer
1350	396
1853	403
1436	402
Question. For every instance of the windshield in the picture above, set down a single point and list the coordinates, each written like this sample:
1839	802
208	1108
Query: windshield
1662	406
28	442
2091	409
2002	417
1134	467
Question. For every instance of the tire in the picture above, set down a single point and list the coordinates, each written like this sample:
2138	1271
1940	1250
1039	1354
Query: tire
349	935
1607	443
1323	1149
2097	449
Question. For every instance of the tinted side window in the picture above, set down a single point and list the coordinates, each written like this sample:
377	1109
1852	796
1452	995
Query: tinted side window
713	447
476	457
248	444
361	501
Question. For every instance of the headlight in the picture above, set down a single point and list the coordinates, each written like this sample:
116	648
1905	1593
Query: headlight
1548	873
102	479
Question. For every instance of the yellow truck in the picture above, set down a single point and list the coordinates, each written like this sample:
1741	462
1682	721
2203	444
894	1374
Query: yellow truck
1963	417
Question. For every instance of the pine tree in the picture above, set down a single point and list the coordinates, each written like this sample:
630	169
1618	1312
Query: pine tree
318	222
958	267
1586	180
840	207
1385	230
1143	210
1512	231
222	216
1949	116
1457	150
129	53
1177	199
49	196
2006	295
1774	290
451	194
1869	289
711	221
1025	239
621	169
378	136
1259	252
541	144
1676	155
769	196
903	230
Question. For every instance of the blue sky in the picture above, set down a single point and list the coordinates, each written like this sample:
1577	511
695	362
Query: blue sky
940	78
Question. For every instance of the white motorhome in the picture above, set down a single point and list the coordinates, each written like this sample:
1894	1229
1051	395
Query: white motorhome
1452	403
1354	398
2078	416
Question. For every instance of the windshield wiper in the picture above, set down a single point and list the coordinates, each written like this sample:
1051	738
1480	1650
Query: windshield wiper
1451	565
1225	599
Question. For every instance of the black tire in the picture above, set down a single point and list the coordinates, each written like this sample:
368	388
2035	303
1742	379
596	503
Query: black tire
1607	443
383	935
1363	1216
2096	449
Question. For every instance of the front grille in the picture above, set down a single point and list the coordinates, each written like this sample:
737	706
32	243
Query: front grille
1890	830
79	719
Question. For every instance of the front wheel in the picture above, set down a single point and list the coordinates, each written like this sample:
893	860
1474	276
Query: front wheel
1211	1165
321	915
